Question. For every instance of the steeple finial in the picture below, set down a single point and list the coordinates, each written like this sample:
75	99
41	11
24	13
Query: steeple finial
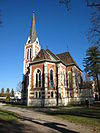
33	34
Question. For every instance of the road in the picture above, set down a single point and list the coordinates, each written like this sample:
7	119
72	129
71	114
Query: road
36	121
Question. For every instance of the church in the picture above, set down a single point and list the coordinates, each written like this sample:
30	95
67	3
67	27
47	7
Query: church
48	79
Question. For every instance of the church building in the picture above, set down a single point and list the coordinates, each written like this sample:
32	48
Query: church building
48	79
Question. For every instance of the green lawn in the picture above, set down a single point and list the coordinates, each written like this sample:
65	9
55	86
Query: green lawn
9	123
80	115
7	116
76	114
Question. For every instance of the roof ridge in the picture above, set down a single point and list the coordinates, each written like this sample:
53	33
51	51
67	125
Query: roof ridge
52	54
64	53
44	53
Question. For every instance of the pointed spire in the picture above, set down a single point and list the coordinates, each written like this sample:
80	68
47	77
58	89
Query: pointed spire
33	34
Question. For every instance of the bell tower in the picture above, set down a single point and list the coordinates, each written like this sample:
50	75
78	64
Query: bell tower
32	46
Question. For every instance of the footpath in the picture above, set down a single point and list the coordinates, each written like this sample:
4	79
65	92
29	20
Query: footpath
38	122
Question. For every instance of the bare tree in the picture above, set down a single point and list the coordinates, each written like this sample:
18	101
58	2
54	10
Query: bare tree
93	33
94	29
19	86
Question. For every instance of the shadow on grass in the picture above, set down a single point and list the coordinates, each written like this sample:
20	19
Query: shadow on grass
11	127
16	127
92	112
82	112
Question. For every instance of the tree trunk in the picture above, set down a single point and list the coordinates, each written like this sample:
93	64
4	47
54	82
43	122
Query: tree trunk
98	86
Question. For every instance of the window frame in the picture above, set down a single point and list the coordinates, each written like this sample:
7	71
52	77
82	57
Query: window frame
29	53
51	82
52	94
37	78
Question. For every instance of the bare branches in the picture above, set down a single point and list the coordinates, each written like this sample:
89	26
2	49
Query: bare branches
67	3
97	31
94	29
93	33
19	86
94	3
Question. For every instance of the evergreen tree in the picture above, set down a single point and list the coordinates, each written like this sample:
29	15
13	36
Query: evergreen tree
7	91
92	64
12	92
2	91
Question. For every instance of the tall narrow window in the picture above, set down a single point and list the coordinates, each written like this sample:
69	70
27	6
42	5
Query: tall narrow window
51	78
36	94
69	80
39	94
30	53
51	94
27	54
64	79
38	78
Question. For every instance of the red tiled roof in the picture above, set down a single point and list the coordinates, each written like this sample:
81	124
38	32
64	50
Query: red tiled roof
50	53
66	58
42	55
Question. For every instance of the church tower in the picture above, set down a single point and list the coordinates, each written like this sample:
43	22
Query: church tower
32	46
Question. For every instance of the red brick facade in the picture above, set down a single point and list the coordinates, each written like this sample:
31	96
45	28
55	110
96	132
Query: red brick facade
48	79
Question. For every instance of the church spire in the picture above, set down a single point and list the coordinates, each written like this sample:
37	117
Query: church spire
33	34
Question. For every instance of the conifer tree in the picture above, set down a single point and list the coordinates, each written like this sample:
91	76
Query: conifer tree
2	91
7	91
12	92
92	64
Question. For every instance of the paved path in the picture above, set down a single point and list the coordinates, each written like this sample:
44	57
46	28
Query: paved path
43	123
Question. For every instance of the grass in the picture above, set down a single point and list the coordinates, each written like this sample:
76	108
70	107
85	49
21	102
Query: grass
7	116
78	115
9	123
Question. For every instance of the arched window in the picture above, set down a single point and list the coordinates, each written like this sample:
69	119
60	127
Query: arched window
38	78
51	78
69	80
